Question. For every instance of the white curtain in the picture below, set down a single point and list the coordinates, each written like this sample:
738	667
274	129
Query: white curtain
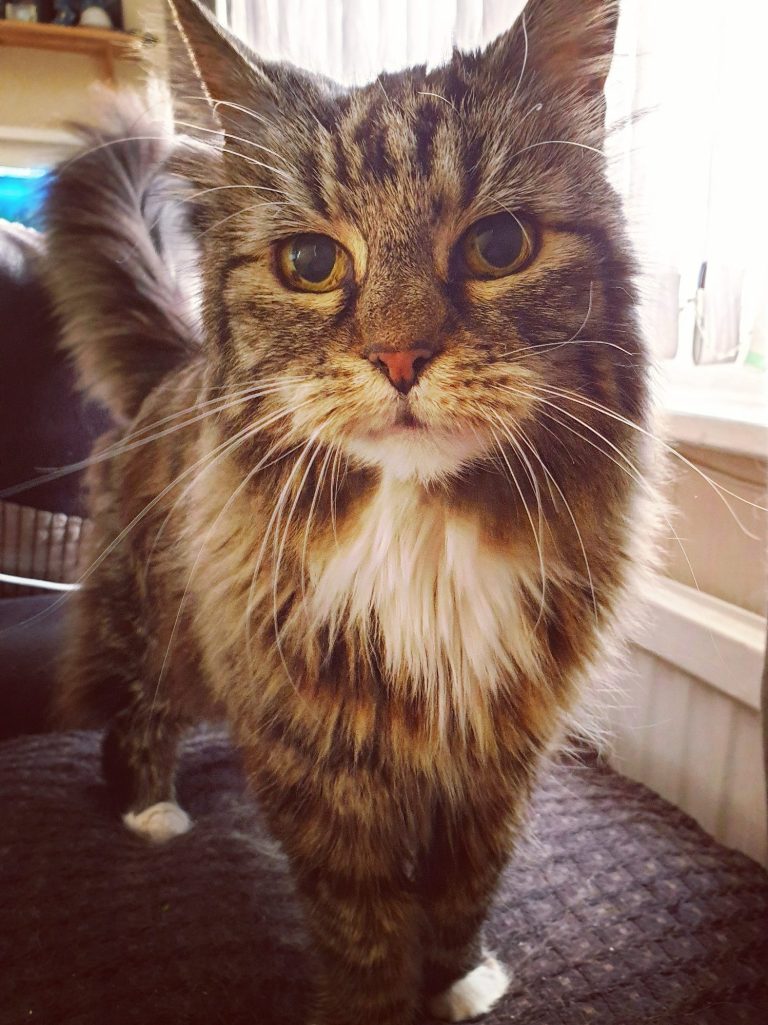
351	41
688	85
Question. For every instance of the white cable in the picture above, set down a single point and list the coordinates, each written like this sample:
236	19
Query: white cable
45	585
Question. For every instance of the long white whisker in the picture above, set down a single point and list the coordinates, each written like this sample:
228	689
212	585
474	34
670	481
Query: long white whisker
310	516
239	213
277	561
536	536
256	428
119	448
335	493
544	347
244	110
218	150
262	464
125	531
719	489
556	142
574	337
238	138
633	472
553	482
530	520
276	512
525	57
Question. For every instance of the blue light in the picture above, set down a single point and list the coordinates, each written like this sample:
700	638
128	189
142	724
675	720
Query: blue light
22	192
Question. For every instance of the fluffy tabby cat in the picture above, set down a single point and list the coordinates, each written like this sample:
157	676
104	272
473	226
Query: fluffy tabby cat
378	510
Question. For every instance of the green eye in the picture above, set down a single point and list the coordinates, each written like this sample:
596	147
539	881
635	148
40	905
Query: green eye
496	246
312	263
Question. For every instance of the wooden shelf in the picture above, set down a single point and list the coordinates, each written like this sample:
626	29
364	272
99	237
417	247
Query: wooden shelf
104	45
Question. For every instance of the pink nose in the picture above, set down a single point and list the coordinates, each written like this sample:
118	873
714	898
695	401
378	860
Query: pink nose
402	367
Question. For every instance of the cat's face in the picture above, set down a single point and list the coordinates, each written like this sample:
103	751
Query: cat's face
424	259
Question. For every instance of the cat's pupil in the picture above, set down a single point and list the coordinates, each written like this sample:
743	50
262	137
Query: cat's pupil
499	240
313	257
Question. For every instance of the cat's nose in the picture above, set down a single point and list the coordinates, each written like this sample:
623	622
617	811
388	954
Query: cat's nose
403	366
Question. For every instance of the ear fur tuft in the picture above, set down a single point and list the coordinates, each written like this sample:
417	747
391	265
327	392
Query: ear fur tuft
567	44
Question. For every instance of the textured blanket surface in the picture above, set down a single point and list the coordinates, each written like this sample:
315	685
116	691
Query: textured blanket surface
617	909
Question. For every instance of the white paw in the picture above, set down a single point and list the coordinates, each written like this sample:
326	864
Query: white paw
159	822
473	995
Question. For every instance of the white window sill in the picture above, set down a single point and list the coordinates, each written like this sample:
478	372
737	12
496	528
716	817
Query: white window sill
706	637
720	407
34	147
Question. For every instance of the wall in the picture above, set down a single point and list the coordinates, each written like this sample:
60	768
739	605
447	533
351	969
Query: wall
713	547
686	721
41	90
695	745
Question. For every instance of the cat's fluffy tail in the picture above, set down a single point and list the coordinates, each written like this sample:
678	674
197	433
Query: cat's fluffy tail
125	318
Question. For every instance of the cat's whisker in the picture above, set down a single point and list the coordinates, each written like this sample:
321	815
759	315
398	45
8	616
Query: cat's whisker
239	213
91	569
228	444
278	558
545	347
515	218
241	435
257	116
538	537
334	493
119	448
67	164
557	142
719	489
261	465
574	337
237	138
276	512
439	96
310	516
633	472
170	140
256	428
537	541
222	402
552	482
226	188
188	141
524	67
219	150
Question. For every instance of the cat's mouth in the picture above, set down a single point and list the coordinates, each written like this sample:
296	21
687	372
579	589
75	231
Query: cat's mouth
405	419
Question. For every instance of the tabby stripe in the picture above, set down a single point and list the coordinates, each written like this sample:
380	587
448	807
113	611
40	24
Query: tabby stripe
235	262
312	179
340	161
426	126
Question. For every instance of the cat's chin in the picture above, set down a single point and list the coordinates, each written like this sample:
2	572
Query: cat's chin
408	451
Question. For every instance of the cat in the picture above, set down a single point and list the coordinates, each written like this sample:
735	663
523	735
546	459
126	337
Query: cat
380	504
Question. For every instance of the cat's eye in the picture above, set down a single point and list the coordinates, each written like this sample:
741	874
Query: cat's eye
497	245
313	263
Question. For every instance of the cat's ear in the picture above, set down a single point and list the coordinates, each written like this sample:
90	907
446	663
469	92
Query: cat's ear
564	44
228	73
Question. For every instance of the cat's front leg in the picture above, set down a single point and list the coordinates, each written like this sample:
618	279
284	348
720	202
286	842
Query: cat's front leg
458	877
346	839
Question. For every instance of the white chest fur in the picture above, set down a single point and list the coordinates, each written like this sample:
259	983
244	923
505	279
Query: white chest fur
416	579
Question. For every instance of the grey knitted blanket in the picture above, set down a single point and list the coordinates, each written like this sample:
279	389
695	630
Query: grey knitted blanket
617	910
